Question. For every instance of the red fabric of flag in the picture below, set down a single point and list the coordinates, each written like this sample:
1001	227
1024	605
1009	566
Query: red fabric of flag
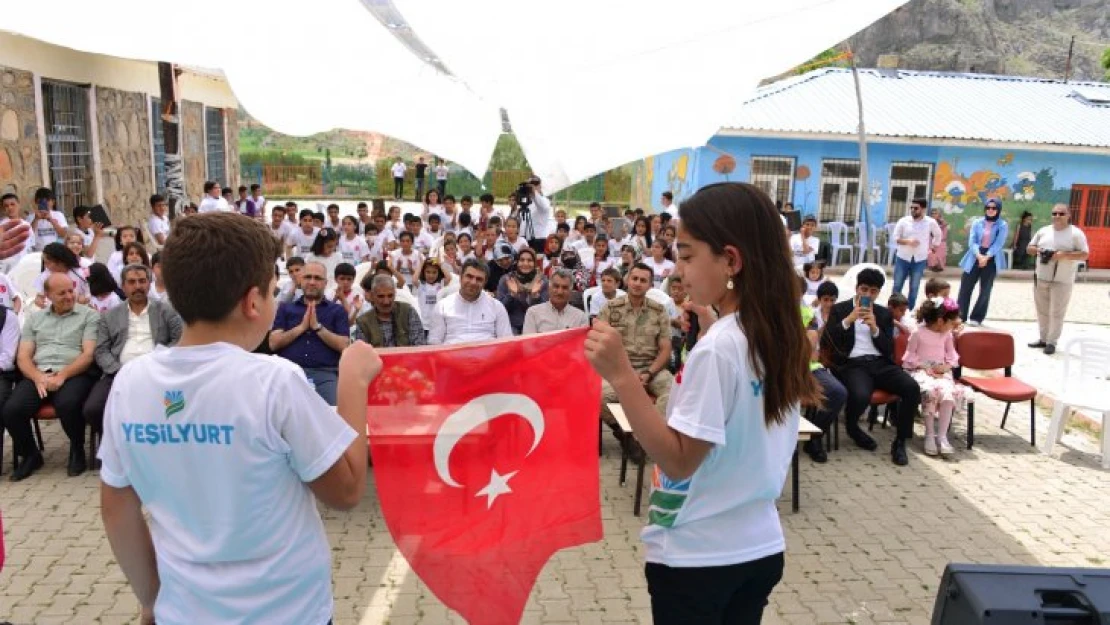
485	462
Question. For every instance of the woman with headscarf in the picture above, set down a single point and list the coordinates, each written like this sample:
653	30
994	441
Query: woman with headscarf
521	289
982	262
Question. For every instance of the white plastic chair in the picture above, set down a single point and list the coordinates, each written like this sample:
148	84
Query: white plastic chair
448	290
659	296
1083	385
891	244
847	283
361	270
872	245
1009	254
838	241
24	273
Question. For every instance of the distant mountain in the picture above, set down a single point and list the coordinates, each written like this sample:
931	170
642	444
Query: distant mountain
1016	37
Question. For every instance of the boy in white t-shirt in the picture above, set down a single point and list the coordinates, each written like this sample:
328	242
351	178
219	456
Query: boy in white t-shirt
228	451
158	223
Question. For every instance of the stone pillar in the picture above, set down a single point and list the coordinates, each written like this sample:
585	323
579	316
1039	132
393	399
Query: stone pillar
231	132
193	149
20	151
123	123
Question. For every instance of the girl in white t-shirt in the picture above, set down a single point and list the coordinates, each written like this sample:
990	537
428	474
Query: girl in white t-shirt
352	247
102	288
406	261
466	247
124	235
714	543
660	266
432	206
512	234
75	241
432	280
57	258
395	226
324	251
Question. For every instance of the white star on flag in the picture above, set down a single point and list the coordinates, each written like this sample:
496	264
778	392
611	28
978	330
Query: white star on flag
498	485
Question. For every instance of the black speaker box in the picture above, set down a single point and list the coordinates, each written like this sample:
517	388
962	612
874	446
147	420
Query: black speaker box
975	594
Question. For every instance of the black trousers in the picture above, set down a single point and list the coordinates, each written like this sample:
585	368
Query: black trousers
93	410
732	595
835	397
863	375
68	402
398	188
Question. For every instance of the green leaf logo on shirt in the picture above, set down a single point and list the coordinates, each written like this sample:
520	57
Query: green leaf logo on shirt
174	402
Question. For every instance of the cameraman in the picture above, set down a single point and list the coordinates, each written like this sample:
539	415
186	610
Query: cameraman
536	213
1059	248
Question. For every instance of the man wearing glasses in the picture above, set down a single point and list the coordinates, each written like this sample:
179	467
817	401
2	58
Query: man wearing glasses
312	332
1059	248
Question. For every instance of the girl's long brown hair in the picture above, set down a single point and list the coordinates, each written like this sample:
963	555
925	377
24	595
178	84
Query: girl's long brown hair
741	215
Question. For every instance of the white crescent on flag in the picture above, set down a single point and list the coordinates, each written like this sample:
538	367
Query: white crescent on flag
476	412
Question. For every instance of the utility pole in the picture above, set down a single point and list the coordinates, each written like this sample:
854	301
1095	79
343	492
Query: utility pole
1067	67
864	204
175	164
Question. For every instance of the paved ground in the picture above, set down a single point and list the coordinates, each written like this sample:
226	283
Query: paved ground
868	545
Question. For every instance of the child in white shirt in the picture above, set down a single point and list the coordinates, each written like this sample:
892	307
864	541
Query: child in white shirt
406	261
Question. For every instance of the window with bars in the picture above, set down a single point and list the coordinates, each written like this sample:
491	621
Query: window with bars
68	145
214	138
156	133
775	176
908	180
839	190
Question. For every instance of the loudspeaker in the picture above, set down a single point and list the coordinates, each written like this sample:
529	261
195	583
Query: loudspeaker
975	594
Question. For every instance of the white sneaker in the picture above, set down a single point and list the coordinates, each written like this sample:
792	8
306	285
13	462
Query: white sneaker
974	324
930	446
946	448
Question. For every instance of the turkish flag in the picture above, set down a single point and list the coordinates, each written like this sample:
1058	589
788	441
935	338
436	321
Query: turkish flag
485	460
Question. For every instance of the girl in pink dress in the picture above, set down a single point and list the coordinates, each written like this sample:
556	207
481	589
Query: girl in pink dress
930	357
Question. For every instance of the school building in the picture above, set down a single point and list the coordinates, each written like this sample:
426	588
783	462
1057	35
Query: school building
89	126
955	139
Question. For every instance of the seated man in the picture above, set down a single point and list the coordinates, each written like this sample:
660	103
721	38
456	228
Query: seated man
388	323
312	332
646	331
858	339
469	315
55	355
126	332
555	314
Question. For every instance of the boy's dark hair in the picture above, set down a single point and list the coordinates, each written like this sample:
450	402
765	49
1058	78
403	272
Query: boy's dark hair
486	197
433	217
100	280
209	185
809	219
43	193
897	300
242	188
156	199
294	261
305	212
449	197
871	277
595	204
225	191
668	195
590	226
156	258
466	198
345	269
409	218
8	196
291	204
613	273
362	205
242	252
494	220
318	217
404	234
80	211
933	286
331	206
255	187
827	289
563	226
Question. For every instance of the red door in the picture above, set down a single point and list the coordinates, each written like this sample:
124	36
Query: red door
1090	210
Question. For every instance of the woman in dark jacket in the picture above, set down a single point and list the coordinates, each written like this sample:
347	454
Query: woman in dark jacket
521	289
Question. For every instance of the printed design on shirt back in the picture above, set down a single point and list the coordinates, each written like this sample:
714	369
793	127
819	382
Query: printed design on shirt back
174	402
667	498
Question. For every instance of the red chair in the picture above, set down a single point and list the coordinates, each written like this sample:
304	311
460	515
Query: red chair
46	413
989	350
883	398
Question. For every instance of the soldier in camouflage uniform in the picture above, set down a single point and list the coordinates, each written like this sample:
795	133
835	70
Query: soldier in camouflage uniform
646	332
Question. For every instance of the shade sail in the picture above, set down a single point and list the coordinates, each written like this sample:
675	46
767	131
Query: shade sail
588	85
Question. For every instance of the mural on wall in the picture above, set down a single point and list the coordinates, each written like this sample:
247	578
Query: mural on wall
960	194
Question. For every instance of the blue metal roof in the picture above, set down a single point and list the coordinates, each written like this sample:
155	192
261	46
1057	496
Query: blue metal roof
937	105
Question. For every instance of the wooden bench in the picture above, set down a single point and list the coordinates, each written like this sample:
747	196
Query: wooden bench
630	448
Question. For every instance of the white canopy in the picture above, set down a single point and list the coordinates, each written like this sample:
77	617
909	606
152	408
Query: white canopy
588	85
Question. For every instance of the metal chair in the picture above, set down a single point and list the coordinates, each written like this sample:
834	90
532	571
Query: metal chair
1083	385
987	350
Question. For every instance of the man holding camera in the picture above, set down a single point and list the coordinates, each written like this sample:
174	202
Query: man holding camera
1059	249
535	213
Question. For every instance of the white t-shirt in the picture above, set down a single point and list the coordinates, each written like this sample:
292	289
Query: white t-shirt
800	257
301	242
456	320
713	518
398	170
407	265
213	204
660	271
441	172
518	245
80	282
104	303
44	230
158	225
220	444
8	292
1070	239
283	232
115	265
427	295
598	301
354	250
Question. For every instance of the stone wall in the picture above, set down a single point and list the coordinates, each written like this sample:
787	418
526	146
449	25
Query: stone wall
123	124
20	152
193	150
231	129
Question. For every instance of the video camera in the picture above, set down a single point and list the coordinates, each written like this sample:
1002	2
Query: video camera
1046	256
524	193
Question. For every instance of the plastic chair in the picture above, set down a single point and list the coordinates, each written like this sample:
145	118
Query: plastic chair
891	244
838	241
406	296
24	273
659	296
989	350
448	290
1083	385
861	250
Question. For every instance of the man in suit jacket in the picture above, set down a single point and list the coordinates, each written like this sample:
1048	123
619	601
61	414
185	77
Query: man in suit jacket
127	331
859	343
